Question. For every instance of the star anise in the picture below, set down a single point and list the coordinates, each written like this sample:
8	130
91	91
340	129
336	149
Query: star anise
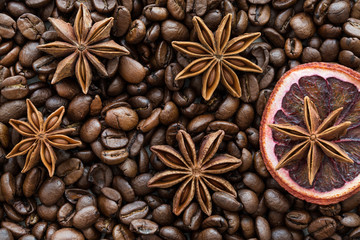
40	138
316	140
195	171
81	43
217	56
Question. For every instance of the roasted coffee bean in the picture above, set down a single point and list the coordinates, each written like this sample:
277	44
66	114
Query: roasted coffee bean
122	21
85	217
280	233
125	189
350	219
122	232
132	211
226	201
174	31
7	181
169	232
311	55
70	170
282	21
349	59
322	227
330	210
329	50
30	26
51	191
14	87
338	12
122	118
136	33
163	215
65	215
114	157
249	199
320	11
259	15
68	233
262	228
8	26
215	221
351	44
143	226
249	88
276	201
303	25
209	233
100	175
192	217
113	138
131	70
90	130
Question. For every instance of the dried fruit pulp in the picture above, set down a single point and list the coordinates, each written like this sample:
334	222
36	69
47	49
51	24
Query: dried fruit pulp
329	86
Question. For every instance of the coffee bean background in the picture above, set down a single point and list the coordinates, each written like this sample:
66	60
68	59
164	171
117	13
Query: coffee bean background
99	190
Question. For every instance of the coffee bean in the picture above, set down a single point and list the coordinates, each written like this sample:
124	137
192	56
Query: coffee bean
122	118
349	59
276	201
192	216
350	219
249	199
136	33
297	219
143	226
322	227
262	228
86	217
338	12
174	31
226	201
8	26
209	233
131	70
215	221
173	233
51	191
132	211
30	26
281	233
303	25
259	15
67	233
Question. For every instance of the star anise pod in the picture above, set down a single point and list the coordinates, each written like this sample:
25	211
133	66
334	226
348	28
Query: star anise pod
40	137
316	140
81	43
196	172
217	56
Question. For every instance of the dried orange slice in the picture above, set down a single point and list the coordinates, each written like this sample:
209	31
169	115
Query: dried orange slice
310	132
